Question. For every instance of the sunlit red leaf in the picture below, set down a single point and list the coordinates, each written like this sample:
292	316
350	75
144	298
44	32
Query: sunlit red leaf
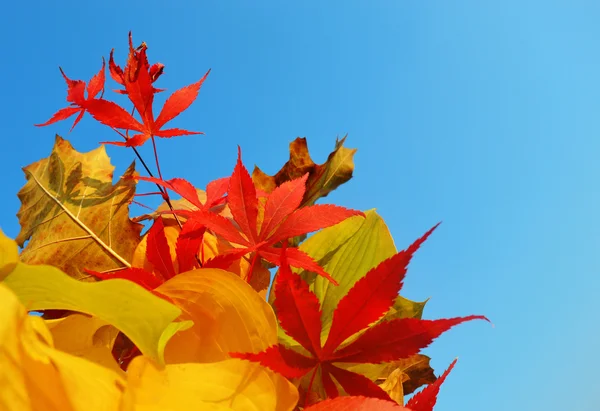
76	96
158	251
371	297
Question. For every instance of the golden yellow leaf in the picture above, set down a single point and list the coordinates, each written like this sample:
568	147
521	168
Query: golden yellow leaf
87	337
73	215
227	385
9	255
34	376
228	316
145	318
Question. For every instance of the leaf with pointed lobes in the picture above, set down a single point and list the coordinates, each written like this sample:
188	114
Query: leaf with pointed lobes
371	296
299	314
112	115
215	190
426	399
137	78
282	219
117	73
322	178
73	215
298	310
76	96
356	403
158	251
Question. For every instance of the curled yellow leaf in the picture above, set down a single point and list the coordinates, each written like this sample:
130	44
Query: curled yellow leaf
228	316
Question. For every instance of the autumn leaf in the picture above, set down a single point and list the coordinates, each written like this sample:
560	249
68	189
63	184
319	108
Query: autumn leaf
73	215
35	376
226	385
191	236
283	218
228	315
117	74
76	96
322	178
137	79
85	337
299	314
145	318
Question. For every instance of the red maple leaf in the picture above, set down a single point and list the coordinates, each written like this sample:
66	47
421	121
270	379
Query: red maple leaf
283	219
159	255
299	314
76	96
137	78
191	235
117	74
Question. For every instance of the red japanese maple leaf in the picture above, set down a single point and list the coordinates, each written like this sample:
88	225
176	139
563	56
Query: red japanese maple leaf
76	96
190	238
283	218
299	314
117	74
159	255
137	79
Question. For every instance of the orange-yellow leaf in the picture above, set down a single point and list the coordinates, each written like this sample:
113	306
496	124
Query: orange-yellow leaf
228	316
226	385
87	337
34	376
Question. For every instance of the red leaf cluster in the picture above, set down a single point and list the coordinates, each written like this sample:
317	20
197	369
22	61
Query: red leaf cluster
137	78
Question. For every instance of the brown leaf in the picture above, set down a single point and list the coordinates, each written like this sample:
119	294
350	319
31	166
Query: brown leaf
322	178
411	373
73	215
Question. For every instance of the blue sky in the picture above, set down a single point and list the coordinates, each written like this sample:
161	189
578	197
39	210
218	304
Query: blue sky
481	114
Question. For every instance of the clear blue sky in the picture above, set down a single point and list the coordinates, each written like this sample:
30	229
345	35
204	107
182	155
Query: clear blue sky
482	114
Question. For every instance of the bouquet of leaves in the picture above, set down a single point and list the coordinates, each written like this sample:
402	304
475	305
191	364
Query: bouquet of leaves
224	303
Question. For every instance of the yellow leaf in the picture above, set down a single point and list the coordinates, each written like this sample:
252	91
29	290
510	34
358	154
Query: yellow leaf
228	316
227	385
34	376
145	318
9	255
87	337
73	215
